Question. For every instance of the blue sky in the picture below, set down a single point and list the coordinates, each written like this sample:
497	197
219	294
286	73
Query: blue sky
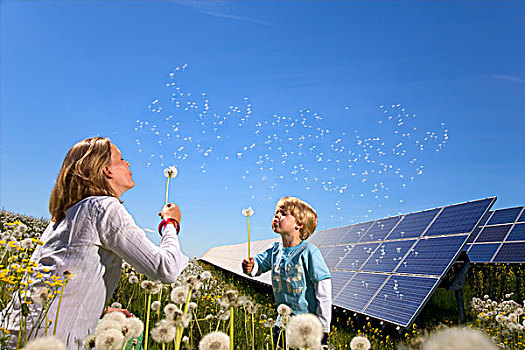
363	108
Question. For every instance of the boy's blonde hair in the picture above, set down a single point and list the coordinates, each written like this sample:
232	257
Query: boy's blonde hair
303	213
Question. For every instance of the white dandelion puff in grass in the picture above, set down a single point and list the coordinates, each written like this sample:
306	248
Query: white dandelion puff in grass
179	295
107	324
27	243
304	331
133	279
89	342
45	343
206	275
163	332
155	305
284	310
40	295
458	338
215	341
110	339
135	327
360	343
116	305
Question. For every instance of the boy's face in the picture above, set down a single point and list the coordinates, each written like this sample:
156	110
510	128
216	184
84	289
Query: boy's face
284	222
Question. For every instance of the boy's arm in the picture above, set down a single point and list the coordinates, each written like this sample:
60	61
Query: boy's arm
261	263
323	294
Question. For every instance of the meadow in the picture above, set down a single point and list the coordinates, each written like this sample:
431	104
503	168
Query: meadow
208	308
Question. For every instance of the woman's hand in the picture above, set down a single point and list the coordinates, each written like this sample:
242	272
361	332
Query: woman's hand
171	210
108	310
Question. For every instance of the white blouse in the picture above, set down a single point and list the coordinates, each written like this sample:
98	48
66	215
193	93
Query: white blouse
91	241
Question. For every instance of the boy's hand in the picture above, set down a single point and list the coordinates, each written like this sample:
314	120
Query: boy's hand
247	265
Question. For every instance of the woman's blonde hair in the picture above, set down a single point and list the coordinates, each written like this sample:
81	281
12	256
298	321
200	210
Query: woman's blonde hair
81	176
303	213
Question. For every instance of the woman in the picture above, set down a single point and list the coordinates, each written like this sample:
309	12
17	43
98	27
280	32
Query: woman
90	234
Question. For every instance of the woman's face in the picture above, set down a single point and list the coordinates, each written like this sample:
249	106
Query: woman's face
118	173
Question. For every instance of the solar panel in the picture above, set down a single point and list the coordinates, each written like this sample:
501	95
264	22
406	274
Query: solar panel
522	217
413	225
504	216
511	253
329	237
502	227
401	297
359	291
399	261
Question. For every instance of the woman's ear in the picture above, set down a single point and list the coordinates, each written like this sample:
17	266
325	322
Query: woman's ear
108	172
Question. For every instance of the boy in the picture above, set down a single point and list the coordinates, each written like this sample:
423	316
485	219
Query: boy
300	277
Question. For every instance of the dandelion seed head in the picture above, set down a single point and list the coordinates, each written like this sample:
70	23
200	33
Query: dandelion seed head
171	172
89	342
215	341
284	310
304	331
135	327
45	343
110	339
116	305
457	338
155	305
179	295
40	295
360	343
163	332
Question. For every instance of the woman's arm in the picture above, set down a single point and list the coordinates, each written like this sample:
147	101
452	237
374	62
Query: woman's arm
119	234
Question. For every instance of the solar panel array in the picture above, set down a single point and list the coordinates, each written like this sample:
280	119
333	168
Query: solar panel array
386	268
389	268
500	238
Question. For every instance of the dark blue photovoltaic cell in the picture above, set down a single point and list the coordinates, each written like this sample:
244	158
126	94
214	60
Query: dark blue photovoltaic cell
517	233
356	232
482	252
380	229
504	216
339	279
388	256
474	234
328	237
493	233
522	217
357	256
485	218
336	255
459	218
432	256
400	298
511	253
413	225
359	291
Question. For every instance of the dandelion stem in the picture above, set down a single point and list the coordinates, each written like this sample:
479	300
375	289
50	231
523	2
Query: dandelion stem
167	184
197	320
231	327
248	218
146	333
58	308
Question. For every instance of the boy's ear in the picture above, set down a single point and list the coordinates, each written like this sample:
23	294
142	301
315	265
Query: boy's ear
298	227
108	172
